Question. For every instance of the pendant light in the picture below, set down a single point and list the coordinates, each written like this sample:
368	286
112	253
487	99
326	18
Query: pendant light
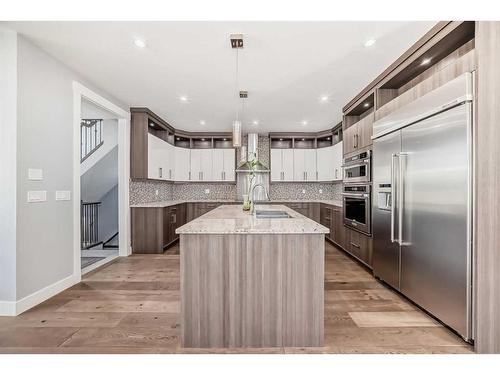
237	43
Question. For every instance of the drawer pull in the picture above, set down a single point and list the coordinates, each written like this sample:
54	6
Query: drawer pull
353	244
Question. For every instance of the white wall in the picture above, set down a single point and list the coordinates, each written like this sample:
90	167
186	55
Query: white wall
110	137
45	140
8	145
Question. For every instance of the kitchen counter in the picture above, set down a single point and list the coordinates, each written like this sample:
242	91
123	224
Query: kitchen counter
239	289
231	219
161	204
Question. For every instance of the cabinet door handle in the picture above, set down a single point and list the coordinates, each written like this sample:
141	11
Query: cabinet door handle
354	140
316	175
160	172
174	218
353	244
189	173
170	174
336	173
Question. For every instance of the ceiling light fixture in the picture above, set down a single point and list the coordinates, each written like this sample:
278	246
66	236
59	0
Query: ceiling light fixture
237	44
426	61
255	122
202	122
323	99
366	105
370	42
304	122
139	43
203	139
183	98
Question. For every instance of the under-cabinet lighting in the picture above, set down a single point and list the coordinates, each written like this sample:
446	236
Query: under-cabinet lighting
366	105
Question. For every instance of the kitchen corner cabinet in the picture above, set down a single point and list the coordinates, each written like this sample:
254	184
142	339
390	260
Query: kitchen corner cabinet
182	164
358	135
161	159
304	165
282	165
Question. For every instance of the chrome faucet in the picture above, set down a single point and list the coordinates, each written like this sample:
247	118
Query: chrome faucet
252	208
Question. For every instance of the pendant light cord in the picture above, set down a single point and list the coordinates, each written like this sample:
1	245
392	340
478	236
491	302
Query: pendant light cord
237	84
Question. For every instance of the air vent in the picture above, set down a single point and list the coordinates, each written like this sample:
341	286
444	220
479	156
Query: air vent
236	40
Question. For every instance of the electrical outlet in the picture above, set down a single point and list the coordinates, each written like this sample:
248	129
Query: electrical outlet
207	191
303	191
157	192
321	191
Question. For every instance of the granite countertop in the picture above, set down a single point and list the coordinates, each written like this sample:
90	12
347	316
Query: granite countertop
162	204
231	219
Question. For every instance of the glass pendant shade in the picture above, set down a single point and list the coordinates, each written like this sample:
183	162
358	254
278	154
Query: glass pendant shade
236	133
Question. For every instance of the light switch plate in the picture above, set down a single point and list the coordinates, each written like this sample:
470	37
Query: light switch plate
63	195
35	196
35	174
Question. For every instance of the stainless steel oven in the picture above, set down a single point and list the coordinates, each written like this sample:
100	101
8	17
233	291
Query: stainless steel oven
357	168
357	207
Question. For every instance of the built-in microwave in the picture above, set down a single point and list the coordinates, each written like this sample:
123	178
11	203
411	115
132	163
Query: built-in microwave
356	201
357	168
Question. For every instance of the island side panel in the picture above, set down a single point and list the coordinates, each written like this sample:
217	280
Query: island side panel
303	289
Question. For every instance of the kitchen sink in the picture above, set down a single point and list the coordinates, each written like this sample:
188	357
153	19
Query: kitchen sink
263	214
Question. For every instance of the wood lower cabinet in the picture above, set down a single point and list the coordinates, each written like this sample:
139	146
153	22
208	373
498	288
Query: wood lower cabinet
339	231
147	230
360	246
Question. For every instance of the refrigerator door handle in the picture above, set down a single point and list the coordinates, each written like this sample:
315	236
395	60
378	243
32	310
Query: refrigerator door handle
393	180
401	157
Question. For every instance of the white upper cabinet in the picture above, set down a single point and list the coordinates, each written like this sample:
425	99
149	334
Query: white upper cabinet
223	164
304	164
182	164
155	158
329	161
201	164
229	164
282	164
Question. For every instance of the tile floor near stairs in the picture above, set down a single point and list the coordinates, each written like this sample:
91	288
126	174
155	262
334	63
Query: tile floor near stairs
132	306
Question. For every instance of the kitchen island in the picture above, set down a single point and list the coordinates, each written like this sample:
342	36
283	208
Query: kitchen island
252	282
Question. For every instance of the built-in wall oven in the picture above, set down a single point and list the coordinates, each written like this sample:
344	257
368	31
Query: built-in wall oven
357	168
357	207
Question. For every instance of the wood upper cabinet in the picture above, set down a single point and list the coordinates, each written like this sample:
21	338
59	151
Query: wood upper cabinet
358	135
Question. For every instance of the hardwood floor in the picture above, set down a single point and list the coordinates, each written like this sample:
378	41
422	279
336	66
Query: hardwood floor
132	306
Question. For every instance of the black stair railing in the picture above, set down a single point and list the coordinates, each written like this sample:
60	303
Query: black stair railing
90	224
91	137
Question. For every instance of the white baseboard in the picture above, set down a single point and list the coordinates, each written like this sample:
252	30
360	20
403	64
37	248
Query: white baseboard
7	308
44	294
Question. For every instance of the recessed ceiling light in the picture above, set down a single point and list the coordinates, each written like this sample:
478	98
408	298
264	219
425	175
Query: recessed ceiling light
323	98
203	139
202	122
139	43
183	98
281	139
370	42
426	61
366	104
255	122
178	139
224	139
328	139
303	139
304	122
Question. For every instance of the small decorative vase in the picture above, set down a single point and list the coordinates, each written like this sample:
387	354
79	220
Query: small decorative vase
246	203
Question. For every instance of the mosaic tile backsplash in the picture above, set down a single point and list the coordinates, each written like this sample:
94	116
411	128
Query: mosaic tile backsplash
305	191
145	191
207	191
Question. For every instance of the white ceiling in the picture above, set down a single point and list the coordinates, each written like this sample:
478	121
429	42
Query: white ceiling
285	66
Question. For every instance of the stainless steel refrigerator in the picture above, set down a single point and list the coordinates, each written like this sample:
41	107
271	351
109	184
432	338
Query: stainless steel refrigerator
422	202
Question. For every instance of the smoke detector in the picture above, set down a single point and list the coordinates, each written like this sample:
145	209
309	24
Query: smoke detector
236	40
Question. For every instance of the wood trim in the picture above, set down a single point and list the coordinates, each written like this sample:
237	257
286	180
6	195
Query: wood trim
154	116
139	146
487	188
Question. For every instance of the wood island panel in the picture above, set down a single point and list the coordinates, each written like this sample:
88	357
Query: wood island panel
252	290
